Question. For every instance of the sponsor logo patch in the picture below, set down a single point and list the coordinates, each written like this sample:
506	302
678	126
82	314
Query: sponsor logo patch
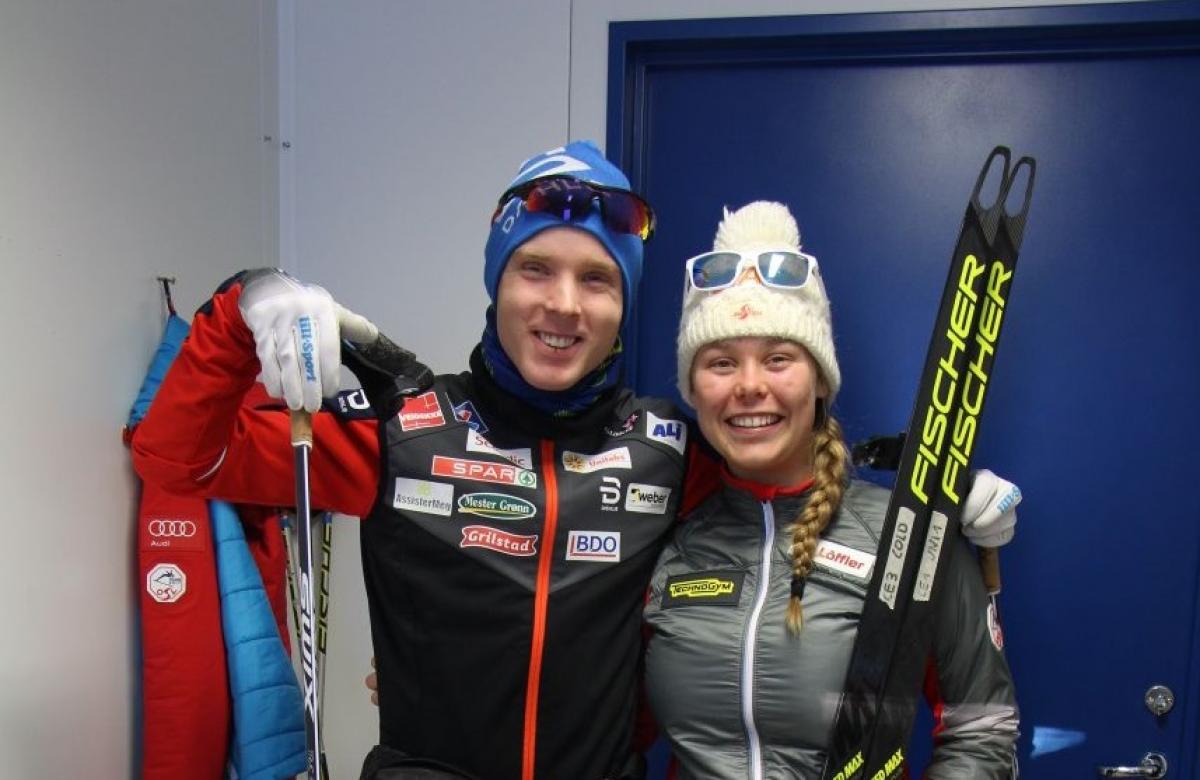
166	583
623	428
352	404
520	456
647	499
422	411
419	495
718	588
483	471
497	506
594	546
610	494
994	628
466	412
670	432
586	464
844	560
177	533
520	545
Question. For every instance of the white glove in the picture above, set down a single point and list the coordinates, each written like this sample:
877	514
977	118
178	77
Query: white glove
989	516
297	332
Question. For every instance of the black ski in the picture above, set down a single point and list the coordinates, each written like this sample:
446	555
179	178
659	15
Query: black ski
882	689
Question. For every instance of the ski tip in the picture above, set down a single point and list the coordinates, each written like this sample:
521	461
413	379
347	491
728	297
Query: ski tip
987	178
1014	216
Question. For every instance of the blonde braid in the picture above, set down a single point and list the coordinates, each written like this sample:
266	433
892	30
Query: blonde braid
831	462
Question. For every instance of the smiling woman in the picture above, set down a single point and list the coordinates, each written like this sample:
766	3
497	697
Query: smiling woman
755	604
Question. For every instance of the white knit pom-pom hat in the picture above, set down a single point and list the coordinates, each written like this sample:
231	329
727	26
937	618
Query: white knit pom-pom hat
752	309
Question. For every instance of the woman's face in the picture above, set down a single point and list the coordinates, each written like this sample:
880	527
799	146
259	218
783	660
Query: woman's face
755	399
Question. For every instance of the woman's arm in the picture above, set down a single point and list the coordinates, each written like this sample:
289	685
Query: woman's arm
970	687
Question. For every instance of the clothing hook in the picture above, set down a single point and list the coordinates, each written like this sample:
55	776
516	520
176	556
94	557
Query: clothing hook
167	281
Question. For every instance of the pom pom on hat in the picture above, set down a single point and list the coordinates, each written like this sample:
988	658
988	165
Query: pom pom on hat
750	309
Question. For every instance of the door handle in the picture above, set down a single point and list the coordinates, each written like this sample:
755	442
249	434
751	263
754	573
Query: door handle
1154	765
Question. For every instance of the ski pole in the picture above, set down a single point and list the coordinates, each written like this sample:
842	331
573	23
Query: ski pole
302	442
323	619
989	564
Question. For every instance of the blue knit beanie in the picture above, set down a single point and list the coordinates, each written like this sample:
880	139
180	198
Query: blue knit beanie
514	226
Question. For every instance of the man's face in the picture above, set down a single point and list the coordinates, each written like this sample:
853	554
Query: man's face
558	308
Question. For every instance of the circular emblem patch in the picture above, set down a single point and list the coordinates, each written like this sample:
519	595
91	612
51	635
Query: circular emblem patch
166	583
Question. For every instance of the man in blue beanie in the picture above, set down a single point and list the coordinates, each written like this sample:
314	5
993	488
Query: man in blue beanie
512	513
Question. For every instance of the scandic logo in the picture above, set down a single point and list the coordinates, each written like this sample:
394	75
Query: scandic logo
518	545
423	411
482	471
496	506
521	456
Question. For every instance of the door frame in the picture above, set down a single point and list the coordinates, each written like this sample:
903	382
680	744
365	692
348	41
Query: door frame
637	49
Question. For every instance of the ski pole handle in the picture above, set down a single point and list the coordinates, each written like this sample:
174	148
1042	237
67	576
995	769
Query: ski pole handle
301	427
989	565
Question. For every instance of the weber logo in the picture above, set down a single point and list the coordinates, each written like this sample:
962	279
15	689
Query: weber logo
594	546
843	560
669	432
647	499
586	464
423	411
518	545
418	495
714	588
482	471
521	456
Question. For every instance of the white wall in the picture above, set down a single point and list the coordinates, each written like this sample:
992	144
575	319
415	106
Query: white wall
130	146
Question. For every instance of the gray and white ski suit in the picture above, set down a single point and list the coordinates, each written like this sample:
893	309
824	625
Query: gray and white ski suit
740	697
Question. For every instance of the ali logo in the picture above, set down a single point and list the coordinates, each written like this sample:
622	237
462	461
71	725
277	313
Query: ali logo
166	583
482	471
610	494
670	432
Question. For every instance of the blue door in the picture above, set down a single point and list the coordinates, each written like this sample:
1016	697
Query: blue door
873	128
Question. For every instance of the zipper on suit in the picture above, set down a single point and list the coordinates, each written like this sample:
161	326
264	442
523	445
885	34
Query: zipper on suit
753	743
541	597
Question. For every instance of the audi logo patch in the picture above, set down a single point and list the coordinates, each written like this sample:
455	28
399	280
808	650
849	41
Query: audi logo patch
180	529
175	533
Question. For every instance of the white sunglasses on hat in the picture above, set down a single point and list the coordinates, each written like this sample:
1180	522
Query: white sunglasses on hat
782	268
